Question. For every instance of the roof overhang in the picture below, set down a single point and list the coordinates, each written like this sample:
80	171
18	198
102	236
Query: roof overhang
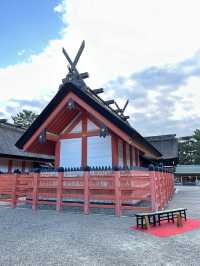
72	91
27	158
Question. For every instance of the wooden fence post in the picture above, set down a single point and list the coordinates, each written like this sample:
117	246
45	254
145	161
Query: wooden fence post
59	191
172	185
14	191
154	206
86	193
117	194
35	190
164	189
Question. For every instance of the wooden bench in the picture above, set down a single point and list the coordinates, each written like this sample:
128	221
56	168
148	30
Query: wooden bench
156	217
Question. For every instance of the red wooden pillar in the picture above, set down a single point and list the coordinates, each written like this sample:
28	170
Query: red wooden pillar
114	150
124	154
14	191
117	194
36	177
57	154
59	191
131	155
86	193
84	140
10	164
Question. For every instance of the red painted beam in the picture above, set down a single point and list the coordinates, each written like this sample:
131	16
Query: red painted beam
51	136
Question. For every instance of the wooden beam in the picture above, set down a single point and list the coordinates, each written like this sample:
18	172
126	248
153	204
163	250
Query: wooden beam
79	135
98	91
108	102
52	136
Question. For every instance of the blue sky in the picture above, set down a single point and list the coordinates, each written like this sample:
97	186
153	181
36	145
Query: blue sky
149	53
26	25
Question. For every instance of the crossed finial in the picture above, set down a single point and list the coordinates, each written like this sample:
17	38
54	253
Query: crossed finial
73	72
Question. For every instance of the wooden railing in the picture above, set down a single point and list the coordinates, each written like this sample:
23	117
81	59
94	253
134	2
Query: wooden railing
132	189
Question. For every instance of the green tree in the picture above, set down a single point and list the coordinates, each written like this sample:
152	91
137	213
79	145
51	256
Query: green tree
186	152
189	149
24	119
196	146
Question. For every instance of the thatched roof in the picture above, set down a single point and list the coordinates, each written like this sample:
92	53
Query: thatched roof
165	144
9	134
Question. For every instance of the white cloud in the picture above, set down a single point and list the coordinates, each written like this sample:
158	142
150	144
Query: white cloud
188	106
21	52
121	37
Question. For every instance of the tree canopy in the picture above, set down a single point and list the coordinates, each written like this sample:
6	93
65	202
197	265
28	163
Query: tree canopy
24	119
189	150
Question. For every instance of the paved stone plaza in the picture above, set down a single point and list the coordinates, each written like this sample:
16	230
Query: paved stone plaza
46	237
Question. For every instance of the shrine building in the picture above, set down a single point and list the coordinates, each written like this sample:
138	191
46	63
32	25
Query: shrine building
80	129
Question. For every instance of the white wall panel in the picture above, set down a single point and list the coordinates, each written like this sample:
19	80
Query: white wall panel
120	153
3	165
99	151
70	152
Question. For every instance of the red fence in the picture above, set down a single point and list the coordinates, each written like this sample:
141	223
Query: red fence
132	190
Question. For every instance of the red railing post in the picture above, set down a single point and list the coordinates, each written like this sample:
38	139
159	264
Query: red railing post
117	194
172	184
164	189
154	206
158	187
86	193
35	190
59	191
14	191
168	186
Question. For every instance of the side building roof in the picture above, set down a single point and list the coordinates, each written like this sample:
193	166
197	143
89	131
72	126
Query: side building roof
94	101
166	144
9	134
187	169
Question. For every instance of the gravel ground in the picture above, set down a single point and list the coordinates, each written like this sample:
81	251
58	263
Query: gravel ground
46	237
